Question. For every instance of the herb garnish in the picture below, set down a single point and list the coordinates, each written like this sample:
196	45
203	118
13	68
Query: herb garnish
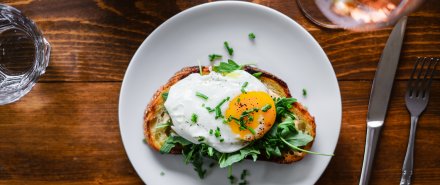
257	75
162	173
304	92
201	95
251	36
194	118
164	125
217	132
266	107
225	68
244	86
213	57
218	112
230	50
164	96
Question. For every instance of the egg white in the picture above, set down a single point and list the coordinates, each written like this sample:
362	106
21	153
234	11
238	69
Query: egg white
182	103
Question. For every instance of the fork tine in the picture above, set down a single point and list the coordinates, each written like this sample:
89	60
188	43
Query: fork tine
427	86
410	89
419	82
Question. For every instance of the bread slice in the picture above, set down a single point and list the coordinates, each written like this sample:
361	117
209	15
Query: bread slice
156	114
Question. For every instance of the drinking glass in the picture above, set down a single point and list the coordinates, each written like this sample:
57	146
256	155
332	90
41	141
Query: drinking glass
24	54
357	15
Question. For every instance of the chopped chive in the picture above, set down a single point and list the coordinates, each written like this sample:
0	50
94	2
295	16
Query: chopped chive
144	140
217	132
200	95
200	68
218	113
164	125
266	107
230	50
210	109
194	118
211	131
162	173
251	130
244	86
257	75
304	92
251	36
221	140
213	57
238	100
164	96
201	138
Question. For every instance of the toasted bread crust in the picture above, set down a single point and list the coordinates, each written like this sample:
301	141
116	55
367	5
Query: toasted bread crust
155	111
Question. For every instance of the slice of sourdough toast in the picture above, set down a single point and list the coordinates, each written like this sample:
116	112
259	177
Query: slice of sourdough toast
156	113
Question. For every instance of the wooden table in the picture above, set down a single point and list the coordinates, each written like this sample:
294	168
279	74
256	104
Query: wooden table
65	131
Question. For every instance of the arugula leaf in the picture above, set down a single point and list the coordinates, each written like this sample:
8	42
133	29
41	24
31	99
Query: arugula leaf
229	159
230	50
302	150
164	96
213	57
283	106
171	142
299	139
225	68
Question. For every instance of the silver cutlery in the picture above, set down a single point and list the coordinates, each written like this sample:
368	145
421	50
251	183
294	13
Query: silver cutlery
380	95
416	98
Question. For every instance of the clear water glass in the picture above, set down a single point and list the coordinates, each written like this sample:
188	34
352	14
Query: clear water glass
24	54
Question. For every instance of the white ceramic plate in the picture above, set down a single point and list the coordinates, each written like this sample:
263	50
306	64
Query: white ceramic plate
281	47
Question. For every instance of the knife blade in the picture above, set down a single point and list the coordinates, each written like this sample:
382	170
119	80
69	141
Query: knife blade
380	95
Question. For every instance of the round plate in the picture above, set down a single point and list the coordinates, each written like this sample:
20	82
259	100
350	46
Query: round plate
281	47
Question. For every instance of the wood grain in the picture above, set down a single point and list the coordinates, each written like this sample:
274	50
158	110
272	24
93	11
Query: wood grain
65	131
95	40
68	133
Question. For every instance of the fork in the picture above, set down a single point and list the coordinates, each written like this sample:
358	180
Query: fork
416	98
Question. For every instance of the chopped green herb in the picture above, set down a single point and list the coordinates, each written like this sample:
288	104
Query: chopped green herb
304	92
213	57
218	112
200	68
221	140
231	178
210	109
211	131
164	96
230	50
251	130
194	118
266	107
245	182
238	100
162	173
201	138
144	140
257	75
244	86
164	125
225	68
200	95
217	132
251	36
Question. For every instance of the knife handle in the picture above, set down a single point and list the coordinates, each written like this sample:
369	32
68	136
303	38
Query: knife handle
370	148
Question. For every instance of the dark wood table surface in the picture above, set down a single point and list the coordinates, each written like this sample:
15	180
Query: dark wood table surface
65	131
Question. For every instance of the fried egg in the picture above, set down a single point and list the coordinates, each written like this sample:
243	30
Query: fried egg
222	111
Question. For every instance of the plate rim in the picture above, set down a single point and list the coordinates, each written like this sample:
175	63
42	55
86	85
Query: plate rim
222	3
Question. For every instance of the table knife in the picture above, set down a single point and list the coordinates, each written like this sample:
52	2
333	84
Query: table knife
380	95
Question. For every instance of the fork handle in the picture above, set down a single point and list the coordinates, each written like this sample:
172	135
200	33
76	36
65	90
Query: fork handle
407	168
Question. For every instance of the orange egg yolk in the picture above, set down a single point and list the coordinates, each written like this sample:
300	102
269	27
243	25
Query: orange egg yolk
251	115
